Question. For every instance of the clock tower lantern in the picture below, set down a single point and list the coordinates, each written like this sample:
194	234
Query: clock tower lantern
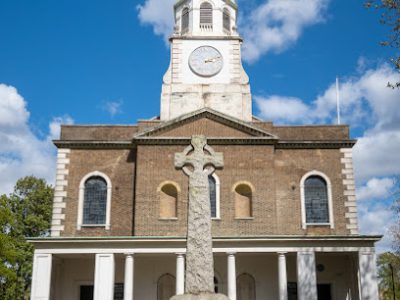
206	68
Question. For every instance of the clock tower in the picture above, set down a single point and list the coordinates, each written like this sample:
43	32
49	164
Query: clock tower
206	68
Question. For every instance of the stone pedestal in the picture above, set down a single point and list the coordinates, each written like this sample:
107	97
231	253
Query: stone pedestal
203	296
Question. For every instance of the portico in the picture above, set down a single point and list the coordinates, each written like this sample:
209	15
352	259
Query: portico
277	266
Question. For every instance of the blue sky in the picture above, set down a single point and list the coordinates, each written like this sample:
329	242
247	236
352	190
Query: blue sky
96	62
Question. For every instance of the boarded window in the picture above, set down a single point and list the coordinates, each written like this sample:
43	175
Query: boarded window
165	287
168	201
95	201
213	195
243	199
185	20
206	14
226	20
246	287
316	200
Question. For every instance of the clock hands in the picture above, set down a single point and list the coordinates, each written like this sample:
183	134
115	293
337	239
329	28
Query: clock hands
214	59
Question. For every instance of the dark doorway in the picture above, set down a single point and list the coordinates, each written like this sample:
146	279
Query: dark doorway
324	292
86	292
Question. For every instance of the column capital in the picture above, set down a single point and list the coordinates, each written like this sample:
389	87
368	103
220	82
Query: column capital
231	253
282	253
129	253
180	253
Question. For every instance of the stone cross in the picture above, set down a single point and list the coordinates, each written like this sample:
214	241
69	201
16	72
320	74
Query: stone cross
198	161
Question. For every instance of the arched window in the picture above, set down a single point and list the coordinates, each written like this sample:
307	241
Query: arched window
226	20
245	287
213	182
206	15
165	287
168	201
243	201
185	20
94	200
316	199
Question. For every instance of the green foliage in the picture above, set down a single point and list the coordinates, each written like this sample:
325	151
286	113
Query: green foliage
385	260
24	213
390	16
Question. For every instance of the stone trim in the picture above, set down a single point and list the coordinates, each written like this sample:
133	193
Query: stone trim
212	115
331	223
60	194
81	200
322	144
349	190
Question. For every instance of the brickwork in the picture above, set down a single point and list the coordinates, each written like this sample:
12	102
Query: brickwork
273	174
119	166
206	127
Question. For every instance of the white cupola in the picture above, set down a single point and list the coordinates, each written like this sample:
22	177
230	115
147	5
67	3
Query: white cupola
205	18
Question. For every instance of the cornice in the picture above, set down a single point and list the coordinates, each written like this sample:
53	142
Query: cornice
251	141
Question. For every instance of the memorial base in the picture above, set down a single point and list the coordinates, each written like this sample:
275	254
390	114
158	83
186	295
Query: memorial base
205	296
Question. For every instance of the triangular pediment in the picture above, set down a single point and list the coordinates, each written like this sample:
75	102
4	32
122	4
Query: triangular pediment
205	122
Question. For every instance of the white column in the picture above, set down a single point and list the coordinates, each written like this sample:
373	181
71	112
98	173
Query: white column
306	276
104	277
367	276
231	276
180	274
41	277
283	295
129	276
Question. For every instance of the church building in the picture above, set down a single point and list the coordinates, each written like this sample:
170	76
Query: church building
283	207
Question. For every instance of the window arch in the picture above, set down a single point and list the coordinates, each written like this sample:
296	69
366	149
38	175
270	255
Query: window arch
185	20
168	199
206	15
245	287
226	20
165	287
94	204
214	185
316	199
243	200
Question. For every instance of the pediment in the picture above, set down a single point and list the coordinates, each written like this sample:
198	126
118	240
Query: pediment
205	122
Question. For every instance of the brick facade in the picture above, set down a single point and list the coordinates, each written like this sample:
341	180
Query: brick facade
138	170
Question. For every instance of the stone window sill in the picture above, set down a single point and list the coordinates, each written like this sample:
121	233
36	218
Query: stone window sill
215	219
168	219
245	218
93	226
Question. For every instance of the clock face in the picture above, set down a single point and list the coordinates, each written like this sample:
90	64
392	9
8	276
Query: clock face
205	61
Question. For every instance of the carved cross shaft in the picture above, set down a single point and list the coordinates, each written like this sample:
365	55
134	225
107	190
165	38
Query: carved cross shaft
198	161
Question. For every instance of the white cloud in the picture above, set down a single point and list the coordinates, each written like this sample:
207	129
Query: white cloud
55	126
21	152
376	220
158	14
273	26
376	188
365	102
277	24
282	109
113	107
377	154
